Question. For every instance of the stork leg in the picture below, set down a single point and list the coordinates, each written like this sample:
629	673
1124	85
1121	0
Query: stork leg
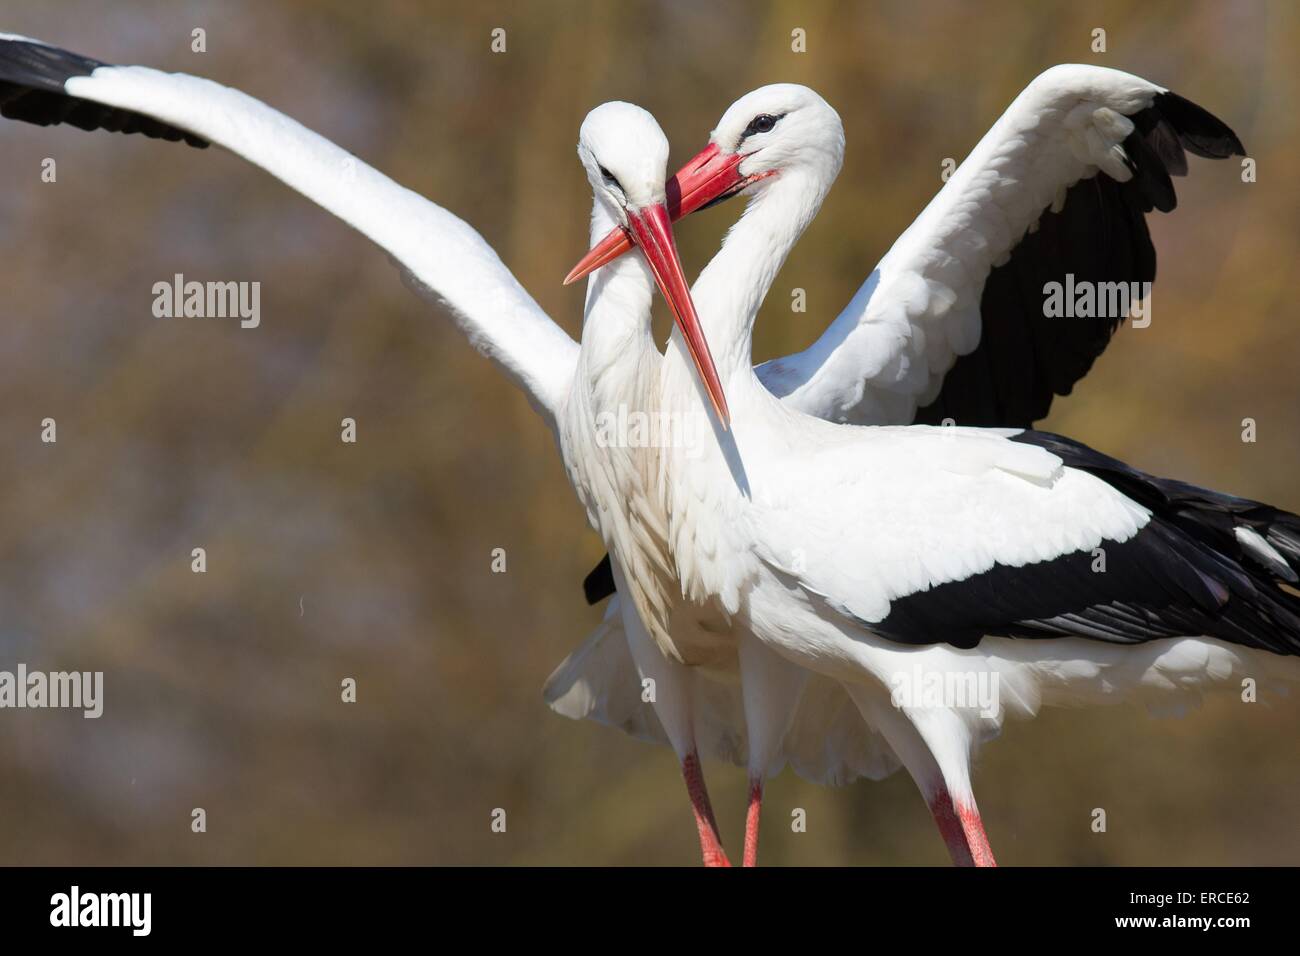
672	699
751	822
961	828
958	818
705	822
771	688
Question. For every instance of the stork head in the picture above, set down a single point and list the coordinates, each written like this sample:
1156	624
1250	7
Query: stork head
625	154
776	131
765	134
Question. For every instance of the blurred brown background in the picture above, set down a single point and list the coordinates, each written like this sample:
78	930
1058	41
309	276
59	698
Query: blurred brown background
221	693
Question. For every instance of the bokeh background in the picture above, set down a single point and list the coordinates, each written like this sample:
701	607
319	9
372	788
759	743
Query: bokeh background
372	560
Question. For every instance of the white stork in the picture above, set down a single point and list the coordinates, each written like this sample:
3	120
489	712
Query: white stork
625	155
1058	186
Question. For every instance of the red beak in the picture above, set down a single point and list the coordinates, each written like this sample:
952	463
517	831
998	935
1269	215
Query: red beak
710	175
652	231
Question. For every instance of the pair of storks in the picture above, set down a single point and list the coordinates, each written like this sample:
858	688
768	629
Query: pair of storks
784	574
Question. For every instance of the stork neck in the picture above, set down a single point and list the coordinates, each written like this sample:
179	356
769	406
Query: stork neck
733	285
616	332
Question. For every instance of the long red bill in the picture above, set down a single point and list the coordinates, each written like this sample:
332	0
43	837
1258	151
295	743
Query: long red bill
652	231
709	175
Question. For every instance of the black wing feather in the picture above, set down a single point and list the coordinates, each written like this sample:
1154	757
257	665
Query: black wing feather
32	78
599	583
1100	234
1184	574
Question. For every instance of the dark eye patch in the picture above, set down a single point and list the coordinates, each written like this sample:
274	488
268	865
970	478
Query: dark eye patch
762	123
610	178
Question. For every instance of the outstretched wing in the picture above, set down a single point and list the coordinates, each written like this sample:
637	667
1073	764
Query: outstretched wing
440	254
952	323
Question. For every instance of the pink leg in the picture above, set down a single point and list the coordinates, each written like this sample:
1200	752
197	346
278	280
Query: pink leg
962	830
751	822
710	842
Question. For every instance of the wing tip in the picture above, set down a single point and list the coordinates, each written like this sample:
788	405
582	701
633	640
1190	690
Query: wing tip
33	89
1198	129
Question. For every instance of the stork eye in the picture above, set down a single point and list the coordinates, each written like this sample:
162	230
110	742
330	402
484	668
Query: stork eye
762	123
610	178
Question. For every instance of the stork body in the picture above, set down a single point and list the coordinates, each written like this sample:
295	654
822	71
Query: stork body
618	369
868	554
1082	154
